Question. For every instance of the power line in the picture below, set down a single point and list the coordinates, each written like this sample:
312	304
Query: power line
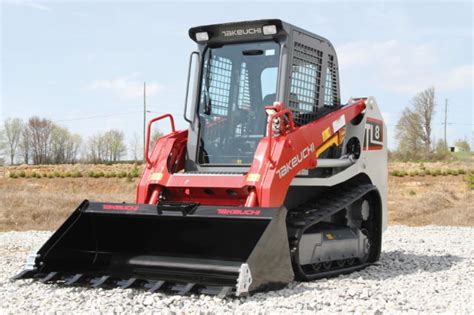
110	115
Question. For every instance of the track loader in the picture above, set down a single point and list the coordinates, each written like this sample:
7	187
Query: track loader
273	180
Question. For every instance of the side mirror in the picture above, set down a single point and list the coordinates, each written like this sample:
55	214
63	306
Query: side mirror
191	59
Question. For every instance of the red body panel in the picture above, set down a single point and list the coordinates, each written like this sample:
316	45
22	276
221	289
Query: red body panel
277	161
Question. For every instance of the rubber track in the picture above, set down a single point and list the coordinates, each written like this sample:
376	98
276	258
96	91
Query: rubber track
313	212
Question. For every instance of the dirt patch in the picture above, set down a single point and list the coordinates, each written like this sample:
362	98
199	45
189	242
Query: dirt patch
441	200
43	204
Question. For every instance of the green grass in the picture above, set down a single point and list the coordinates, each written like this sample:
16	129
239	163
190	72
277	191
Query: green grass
428	172
76	174
133	173
470	181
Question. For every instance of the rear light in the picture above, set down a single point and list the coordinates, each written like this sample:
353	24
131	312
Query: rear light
202	36
269	29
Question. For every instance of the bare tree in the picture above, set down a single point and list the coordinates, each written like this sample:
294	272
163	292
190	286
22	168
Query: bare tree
59	141
424	106
115	145
462	145
25	144
12	129
107	147
136	147
40	132
3	147
96	149
64	146
414	126
155	135
407	133
73	147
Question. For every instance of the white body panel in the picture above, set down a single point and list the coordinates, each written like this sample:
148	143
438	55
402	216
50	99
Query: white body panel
371	162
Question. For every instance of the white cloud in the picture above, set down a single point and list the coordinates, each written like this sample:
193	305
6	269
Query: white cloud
127	87
402	66
458	78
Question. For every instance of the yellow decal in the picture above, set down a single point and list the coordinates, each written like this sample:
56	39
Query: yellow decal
156	176
326	133
253	177
329	236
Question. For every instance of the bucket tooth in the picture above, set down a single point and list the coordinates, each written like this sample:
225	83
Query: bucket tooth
24	274
124	284
153	286
73	279
225	291
97	282
183	289
50	277
219	291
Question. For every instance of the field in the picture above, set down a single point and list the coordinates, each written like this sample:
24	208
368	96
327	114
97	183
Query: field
31	203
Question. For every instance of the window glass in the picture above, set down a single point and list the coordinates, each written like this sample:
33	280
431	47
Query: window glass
235	80
269	77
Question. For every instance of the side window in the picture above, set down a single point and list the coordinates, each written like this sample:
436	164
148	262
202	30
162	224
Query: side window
268	79
330	88
305	79
218	79
303	94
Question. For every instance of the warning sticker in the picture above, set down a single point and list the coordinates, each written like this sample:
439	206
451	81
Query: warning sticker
156	176
339	123
253	177
326	133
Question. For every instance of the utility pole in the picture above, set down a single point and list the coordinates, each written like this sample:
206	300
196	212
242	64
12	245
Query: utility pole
144	119
445	121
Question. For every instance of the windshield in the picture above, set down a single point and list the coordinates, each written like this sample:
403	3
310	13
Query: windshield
237	82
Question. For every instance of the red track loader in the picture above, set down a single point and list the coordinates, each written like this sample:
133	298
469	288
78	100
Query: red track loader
273	180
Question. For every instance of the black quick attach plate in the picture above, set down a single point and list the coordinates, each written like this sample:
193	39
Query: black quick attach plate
184	207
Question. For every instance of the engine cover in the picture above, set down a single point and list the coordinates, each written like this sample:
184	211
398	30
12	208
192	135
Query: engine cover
332	244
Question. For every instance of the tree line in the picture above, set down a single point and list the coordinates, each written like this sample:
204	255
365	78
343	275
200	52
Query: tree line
414	131
41	141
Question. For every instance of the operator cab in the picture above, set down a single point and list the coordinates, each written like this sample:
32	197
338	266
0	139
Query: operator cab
244	67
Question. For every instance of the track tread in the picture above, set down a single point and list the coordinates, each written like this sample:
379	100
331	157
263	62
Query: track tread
313	212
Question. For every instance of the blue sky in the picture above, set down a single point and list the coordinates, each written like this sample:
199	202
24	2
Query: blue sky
83	64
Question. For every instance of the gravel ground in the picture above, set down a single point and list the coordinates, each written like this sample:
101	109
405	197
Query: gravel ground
427	269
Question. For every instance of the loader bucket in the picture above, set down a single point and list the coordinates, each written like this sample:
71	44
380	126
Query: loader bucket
175	247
